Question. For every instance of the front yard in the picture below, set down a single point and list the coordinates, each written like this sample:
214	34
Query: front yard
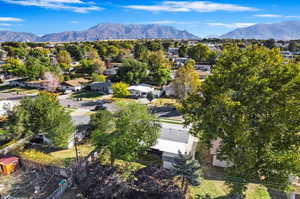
10	89
87	95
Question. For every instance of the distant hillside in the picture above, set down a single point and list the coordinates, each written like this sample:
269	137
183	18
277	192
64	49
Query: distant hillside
120	31
17	36
288	30
104	32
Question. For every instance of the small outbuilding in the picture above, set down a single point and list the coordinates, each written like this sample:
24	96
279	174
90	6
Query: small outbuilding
8	165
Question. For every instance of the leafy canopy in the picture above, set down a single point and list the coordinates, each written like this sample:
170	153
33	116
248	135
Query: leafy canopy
131	132
42	115
252	103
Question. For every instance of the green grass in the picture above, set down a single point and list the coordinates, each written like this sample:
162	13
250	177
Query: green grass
212	188
10	89
60	158
87	95
170	121
219	190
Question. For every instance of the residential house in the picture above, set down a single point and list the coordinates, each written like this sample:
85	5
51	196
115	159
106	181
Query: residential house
287	54
20	82
111	71
38	84
141	90
203	74
215	161
173	51
180	61
114	65
174	138
203	67
75	84
103	87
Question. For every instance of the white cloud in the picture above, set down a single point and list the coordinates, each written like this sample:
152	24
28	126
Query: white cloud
5	24
189	6
269	16
10	19
231	25
275	16
75	22
292	17
78	6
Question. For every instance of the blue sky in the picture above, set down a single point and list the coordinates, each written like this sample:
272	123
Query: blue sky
201	18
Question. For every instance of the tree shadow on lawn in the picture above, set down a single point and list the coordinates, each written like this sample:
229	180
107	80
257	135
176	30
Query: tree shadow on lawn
87	94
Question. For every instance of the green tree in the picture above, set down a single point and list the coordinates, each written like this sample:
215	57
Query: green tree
251	102
183	51
42	115
188	169
133	128
199	53
186	81
140	50
75	51
14	66
98	78
132	71
34	68
120	89
159	68
269	43
64	57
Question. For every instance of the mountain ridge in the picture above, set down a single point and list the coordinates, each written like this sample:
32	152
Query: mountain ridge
286	30
104	31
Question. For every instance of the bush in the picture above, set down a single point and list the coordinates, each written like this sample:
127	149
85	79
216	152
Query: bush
120	89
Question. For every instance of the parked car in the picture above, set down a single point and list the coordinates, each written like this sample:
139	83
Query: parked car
99	107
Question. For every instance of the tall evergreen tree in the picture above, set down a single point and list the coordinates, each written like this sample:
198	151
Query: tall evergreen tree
188	169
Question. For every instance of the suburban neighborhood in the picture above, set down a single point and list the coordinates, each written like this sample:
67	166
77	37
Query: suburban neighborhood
183	99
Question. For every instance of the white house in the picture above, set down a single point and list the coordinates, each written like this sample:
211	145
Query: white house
7	105
174	138
141	90
287	54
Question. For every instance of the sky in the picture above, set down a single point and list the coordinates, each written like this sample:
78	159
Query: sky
202	18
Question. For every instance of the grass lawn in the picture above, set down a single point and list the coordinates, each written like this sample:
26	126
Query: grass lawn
219	190
170	121
60	158
164	102
87	95
9	89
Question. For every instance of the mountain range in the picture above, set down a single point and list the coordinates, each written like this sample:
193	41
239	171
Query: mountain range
288	30
103	32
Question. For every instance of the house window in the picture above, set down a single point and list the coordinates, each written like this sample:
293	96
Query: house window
297	196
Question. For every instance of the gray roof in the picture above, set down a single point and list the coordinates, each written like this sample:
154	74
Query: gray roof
101	84
174	132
